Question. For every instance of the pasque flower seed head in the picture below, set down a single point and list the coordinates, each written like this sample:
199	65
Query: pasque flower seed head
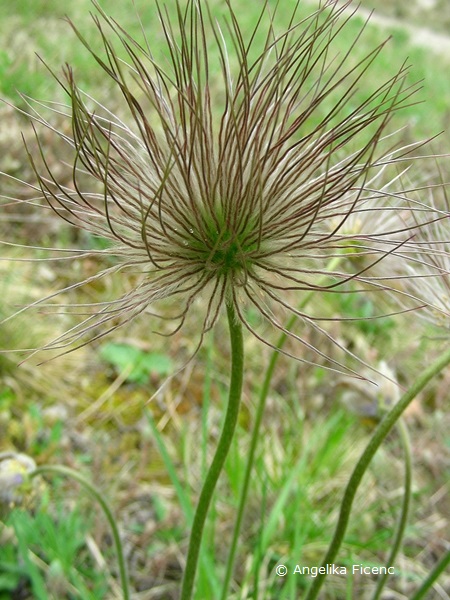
243	155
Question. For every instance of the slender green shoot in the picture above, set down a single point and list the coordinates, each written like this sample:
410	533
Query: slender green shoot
377	439
183	497
229	427
255	436
404	512
432	577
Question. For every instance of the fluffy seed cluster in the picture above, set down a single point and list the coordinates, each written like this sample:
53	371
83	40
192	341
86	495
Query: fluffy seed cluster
244	156
429	274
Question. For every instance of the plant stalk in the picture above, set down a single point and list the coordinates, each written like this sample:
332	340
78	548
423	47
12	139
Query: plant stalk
404	512
377	439
226	437
438	569
255	435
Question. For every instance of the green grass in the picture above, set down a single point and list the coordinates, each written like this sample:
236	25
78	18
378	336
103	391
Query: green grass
49	557
293	500
304	457
31	29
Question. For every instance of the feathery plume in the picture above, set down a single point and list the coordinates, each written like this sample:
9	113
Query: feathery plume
235	176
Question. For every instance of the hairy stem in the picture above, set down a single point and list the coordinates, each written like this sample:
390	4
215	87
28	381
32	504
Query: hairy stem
250	460
377	439
255	435
229	427
403	517
67	472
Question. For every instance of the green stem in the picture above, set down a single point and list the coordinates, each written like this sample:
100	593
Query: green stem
438	569
377	439
250	460
67	472
403	517
255	436
229	427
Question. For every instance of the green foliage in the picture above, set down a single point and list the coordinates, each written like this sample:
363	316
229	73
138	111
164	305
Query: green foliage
49	437
364	311
49	556
137	364
19	77
11	573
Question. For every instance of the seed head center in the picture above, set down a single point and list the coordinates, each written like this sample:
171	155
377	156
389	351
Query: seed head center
227	255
